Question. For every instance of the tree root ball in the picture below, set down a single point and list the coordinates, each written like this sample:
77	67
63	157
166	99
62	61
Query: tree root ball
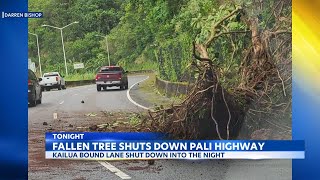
209	112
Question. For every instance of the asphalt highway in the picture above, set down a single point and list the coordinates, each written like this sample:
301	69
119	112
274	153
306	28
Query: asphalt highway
68	103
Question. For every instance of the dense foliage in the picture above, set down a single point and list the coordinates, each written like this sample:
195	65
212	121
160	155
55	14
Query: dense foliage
95	17
142	34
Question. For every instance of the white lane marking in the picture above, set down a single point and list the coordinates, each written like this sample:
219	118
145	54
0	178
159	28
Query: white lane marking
110	167
61	102
75	94
129	97
115	170
55	115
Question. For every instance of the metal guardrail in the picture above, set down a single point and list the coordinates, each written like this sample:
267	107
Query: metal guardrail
171	89
79	83
141	71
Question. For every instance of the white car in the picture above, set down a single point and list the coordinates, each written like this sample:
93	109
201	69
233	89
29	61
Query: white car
52	80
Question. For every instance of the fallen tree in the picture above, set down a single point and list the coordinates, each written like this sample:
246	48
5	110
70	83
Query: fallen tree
213	111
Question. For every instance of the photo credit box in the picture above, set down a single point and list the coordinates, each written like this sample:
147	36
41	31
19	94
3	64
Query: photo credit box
21	14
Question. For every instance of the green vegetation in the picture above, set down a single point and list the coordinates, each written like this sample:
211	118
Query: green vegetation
95	17
78	76
155	96
135	119
142	34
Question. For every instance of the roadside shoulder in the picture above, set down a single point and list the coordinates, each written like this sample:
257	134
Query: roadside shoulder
146	94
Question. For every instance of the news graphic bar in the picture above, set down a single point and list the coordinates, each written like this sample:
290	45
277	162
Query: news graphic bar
22	15
143	155
122	146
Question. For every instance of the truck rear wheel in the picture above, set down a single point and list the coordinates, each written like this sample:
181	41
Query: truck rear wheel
98	88
122	87
59	87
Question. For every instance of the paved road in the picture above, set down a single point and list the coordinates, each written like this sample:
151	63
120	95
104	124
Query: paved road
68	103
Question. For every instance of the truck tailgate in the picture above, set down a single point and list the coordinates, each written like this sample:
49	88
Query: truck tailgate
49	80
108	76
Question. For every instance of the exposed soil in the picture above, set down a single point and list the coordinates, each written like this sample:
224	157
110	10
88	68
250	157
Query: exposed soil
75	122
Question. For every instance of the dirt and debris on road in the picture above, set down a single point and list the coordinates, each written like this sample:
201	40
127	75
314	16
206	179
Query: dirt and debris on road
74	122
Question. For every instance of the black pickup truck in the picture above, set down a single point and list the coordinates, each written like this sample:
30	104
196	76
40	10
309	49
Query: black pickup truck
34	89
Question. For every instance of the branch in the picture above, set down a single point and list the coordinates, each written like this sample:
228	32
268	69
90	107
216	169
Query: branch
278	32
212	116
281	7
283	87
231	32
224	99
273	10
218	23
198	57
228	16
281	32
279	46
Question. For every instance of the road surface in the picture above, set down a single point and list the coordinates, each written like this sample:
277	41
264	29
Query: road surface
67	104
